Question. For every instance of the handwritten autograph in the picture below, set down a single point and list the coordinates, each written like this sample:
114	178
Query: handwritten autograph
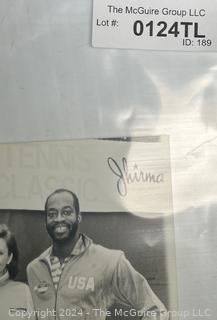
124	177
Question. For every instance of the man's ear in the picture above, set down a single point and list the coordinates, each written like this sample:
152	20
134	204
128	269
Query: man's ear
79	218
10	258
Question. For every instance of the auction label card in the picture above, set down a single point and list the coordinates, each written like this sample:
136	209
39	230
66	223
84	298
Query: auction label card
156	25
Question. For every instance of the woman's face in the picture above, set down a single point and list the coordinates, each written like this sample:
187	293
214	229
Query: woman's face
4	257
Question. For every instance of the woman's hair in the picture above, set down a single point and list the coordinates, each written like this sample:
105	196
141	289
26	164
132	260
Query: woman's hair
10	240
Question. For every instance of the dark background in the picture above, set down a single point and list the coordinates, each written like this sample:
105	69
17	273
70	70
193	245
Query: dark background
142	240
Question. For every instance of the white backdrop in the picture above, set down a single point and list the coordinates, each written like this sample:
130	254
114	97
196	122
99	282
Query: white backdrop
107	176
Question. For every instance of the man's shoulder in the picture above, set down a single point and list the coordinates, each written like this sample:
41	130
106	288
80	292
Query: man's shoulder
105	254
38	260
32	264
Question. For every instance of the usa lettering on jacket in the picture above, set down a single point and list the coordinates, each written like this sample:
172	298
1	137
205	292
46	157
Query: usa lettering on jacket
81	283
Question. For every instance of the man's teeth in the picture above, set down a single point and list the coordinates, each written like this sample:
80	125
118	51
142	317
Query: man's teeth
60	228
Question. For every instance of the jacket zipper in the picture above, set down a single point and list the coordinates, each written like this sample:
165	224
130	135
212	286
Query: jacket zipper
56	290
56	296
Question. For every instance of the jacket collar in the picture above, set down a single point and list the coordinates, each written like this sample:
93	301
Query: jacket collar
81	245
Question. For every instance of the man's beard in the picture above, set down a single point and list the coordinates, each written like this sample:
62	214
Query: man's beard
72	230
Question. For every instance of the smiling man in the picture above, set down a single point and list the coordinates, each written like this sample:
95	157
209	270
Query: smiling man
78	279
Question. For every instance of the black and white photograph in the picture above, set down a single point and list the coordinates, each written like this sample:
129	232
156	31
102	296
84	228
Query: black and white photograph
86	230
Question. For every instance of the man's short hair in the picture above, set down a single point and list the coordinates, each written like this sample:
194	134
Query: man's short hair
74	196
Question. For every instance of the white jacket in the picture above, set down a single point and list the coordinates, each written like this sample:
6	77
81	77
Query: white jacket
94	278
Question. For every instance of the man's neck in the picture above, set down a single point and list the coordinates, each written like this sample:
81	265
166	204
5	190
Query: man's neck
63	250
